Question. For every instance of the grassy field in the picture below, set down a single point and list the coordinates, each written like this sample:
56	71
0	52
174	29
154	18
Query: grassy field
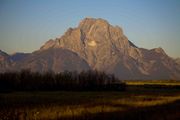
153	82
136	103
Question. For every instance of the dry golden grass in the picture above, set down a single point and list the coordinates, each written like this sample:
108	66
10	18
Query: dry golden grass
153	82
146	101
89	103
60	105
54	112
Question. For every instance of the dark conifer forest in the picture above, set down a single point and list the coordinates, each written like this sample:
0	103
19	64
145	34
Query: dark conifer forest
66	81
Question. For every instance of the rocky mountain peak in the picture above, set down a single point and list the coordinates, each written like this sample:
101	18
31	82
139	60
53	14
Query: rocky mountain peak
105	48
50	43
91	21
96	41
90	32
92	25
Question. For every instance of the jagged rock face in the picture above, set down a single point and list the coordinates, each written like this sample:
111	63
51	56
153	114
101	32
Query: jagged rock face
106	48
95	40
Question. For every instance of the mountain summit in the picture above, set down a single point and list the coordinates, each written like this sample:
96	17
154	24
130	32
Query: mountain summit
96	41
104	47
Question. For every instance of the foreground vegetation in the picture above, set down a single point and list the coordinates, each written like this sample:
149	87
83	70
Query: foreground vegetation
134	103
90	95
26	80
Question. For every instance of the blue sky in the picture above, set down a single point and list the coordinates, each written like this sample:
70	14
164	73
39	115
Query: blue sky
25	25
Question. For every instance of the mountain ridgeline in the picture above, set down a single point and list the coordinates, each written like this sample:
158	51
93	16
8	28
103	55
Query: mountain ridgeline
96	45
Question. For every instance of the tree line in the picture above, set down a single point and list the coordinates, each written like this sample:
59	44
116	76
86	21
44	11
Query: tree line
26	80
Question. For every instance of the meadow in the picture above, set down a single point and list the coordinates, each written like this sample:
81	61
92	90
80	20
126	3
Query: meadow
137	102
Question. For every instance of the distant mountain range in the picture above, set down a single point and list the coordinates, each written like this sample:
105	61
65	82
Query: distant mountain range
95	44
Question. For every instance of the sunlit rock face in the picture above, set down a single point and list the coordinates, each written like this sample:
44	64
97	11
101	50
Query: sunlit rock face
104	47
95	40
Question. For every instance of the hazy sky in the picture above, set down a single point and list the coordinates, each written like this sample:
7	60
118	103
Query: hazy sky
25	25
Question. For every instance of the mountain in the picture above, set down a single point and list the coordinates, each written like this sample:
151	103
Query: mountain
18	56
57	60
5	63
177	60
95	44
106	48
3	55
